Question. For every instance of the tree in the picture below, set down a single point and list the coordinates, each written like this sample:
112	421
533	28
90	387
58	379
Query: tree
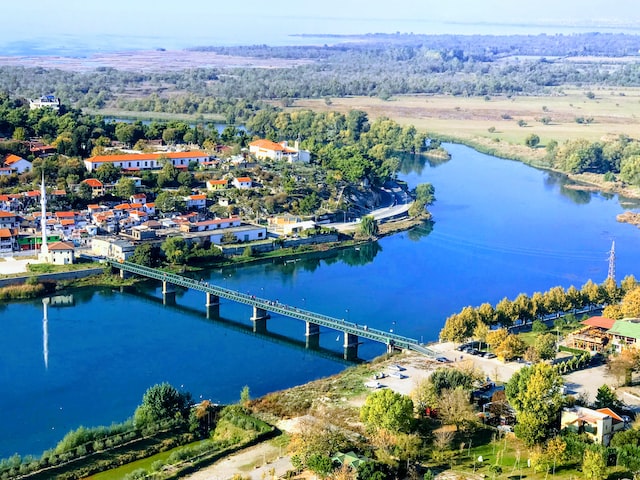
594	465
368	226
162	402
125	187
146	255
606	398
539	326
389	410
455	409
175	249
107	173
450	379
84	191
460	326
532	140
630	305
320	465
165	202
511	347
545	346
534	393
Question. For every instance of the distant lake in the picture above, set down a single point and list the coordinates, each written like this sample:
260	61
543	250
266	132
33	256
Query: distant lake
500	228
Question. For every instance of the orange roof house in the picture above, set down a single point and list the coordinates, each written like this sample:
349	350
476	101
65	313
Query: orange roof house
147	161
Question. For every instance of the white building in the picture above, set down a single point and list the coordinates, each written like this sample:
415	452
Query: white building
242	183
61	253
112	248
147	161
263	149
49	101
17	164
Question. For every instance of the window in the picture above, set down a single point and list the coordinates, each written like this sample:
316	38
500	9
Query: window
259	234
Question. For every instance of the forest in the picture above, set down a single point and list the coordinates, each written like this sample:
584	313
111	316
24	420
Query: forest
376	65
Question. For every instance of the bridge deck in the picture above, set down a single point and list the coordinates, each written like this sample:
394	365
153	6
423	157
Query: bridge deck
363	331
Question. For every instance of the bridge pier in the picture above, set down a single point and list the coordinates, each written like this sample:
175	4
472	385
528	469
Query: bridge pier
259	319
168	293
350	346
124	274
213	305
312	334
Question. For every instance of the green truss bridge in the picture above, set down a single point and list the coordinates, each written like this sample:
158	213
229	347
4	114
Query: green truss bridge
261	307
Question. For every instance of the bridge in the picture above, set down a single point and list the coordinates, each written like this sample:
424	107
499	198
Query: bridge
261	307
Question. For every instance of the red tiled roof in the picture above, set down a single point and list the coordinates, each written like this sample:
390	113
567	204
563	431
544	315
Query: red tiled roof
217	221
61	246
59	192
32	193
93	182
243	179
600	322
65	214
4	214
67	222
218	182
267	145
145	156
122	206
11	159
197	197
5	233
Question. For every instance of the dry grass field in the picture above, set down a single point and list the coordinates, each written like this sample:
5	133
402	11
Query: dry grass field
613	111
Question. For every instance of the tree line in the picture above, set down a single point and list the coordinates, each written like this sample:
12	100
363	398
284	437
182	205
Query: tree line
461	326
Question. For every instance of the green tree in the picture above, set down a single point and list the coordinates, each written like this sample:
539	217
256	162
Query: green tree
163	402
511	347
165	202
125	188
368	226
84	192
534	393
146	255
175	250
107	173
545	346
389	410
606	398
320	464
532	140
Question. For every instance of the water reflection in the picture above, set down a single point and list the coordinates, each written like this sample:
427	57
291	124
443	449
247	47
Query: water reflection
415	163
420	231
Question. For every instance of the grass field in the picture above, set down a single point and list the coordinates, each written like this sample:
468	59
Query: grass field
469	118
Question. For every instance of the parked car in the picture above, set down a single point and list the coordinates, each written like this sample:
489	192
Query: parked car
490	355
443	360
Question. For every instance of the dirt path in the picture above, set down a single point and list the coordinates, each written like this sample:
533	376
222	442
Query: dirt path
258	462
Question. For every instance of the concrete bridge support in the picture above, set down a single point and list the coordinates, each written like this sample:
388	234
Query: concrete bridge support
213	305
312	334
350	346
168	293
259	319
124	274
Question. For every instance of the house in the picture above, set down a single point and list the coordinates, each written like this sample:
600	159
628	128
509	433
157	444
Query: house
625	333
61	253
97	187
242	183
19	164
6	171
289	224
9	220
263	149
197	202
46	101
8	239
599	425
138	198
147	161
112	248
594	336
221	184
214	224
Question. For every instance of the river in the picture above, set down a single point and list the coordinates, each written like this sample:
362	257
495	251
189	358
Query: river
500	228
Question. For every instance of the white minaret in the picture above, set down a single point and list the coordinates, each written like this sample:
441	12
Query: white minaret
44	250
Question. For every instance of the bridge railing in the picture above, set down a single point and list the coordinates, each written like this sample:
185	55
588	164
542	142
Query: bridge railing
363	331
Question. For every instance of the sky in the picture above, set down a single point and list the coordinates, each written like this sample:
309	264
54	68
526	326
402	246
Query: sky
163	23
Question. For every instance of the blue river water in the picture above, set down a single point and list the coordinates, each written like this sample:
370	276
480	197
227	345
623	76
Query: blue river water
500	228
